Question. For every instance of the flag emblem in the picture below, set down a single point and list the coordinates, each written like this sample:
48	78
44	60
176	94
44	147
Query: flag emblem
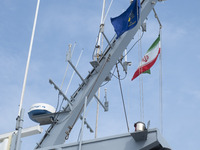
145	59
131	20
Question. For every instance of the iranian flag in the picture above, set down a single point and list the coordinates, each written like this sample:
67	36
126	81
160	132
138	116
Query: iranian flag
149	59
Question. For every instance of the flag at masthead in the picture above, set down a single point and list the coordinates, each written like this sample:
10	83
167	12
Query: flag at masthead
128	19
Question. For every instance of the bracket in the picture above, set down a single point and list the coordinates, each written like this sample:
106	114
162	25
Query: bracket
60	92
76	71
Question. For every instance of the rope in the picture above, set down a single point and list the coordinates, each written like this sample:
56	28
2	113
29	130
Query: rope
58	102
73	72
142	101
140	57
142	84
160	72
160	96
141	80
133	45
56	116
116	76
121	78
97	115
122	98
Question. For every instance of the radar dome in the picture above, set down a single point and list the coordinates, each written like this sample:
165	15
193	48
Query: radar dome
40	109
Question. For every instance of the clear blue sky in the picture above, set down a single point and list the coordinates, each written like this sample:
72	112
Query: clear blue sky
63	22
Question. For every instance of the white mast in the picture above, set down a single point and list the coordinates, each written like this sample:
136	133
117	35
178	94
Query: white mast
29	57
99	46
19	122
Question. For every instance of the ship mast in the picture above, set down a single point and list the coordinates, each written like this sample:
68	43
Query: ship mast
20	117
99	46
59	131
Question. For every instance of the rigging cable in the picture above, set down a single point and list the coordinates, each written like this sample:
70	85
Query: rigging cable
116	76
69	53
160	84
160	97
121	78
58	102
111	77
67	86
73	72
141	81
133	45
56	116
122	98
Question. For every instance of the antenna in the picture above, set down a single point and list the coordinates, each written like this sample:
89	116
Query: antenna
106	104
73	72
68	57
19	120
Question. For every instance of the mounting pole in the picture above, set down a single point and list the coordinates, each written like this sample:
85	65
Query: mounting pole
29	56
98	51
19	120
19	126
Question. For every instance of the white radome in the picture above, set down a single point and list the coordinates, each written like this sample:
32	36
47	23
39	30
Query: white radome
40	109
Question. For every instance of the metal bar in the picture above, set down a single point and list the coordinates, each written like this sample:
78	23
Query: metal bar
19	128
119	142
25	132
73	73
60	91
76	71
81	137
29	57
87	125
106	39
122	98
97	115
156	16
100	102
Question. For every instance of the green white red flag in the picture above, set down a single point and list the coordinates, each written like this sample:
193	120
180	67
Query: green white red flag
149	58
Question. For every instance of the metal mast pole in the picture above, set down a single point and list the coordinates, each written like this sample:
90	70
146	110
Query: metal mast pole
99	46
29	57
19	119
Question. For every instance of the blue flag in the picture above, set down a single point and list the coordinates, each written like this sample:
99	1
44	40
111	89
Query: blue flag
128	19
